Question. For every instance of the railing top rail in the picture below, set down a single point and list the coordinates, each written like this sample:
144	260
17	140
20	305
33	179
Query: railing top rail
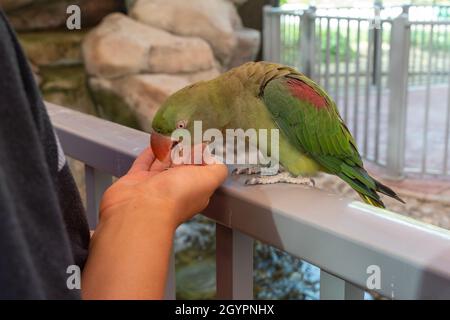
430	22
387	12
341	236
350	18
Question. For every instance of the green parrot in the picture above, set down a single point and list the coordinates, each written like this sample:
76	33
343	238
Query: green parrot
263	95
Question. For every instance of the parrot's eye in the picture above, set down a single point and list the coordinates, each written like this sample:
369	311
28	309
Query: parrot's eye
181	124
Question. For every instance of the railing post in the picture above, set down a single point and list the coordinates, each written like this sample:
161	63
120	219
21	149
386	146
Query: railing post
334	288
234	264
308	41
377	43
405	8
398	88
96	184
271	34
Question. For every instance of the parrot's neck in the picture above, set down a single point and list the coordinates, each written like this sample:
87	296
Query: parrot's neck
241	89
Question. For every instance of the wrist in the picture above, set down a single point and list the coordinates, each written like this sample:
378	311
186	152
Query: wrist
153	214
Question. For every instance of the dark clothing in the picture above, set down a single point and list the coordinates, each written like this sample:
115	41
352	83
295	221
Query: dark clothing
43	228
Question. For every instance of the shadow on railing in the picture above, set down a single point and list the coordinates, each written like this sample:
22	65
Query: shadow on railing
357	247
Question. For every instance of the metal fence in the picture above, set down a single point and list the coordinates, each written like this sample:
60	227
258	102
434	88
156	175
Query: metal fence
388	70
356	246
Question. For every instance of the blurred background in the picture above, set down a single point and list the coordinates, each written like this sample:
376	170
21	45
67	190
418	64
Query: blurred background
127	57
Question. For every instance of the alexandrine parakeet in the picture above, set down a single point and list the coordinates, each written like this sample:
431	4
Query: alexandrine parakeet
262	95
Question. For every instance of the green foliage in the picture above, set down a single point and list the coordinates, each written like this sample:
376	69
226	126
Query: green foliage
420	38
290	42
337	47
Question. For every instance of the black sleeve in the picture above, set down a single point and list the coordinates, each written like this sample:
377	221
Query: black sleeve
43	227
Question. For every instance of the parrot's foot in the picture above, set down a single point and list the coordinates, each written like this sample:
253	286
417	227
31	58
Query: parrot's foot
246	170
283	177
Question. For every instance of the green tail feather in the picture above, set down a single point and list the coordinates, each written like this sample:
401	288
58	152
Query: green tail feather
367	187
387	191
376	203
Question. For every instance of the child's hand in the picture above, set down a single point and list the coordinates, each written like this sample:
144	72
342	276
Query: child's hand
130	248
157	188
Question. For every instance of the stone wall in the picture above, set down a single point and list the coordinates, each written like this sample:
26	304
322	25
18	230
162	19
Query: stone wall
161	47
130	55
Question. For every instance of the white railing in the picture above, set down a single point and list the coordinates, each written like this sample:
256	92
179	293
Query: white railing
348	240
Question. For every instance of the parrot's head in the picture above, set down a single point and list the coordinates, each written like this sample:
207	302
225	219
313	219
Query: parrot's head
197	102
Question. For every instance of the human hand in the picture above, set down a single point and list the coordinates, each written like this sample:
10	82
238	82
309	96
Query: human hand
171	194
130	249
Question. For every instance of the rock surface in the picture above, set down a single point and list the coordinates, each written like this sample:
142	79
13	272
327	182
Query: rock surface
7	5
121	46
135	62
215	21
142	93
52	47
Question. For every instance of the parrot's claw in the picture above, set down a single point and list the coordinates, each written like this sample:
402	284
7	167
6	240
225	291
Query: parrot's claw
283	177
246	171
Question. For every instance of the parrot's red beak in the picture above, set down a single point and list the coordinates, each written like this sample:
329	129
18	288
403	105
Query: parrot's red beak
161	145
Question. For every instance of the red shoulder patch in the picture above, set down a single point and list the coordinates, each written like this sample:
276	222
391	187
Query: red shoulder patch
304	92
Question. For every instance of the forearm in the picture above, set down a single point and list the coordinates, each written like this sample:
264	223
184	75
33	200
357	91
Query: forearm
129	256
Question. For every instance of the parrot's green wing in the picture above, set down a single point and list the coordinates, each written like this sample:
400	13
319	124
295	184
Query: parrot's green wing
311	121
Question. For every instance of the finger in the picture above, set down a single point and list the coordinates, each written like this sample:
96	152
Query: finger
218	173
159	166
207	177
143	162
199	155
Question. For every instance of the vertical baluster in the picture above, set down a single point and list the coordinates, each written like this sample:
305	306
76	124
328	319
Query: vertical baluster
346	80
288	36
283	42
267	33
441	64
377	74
234	264
334	288
295	40
319	53
447	51
427	102
447	130
422	54
327	57
292	41
357	70
336	62
413	68
367	93
96	184
276	42
437	55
